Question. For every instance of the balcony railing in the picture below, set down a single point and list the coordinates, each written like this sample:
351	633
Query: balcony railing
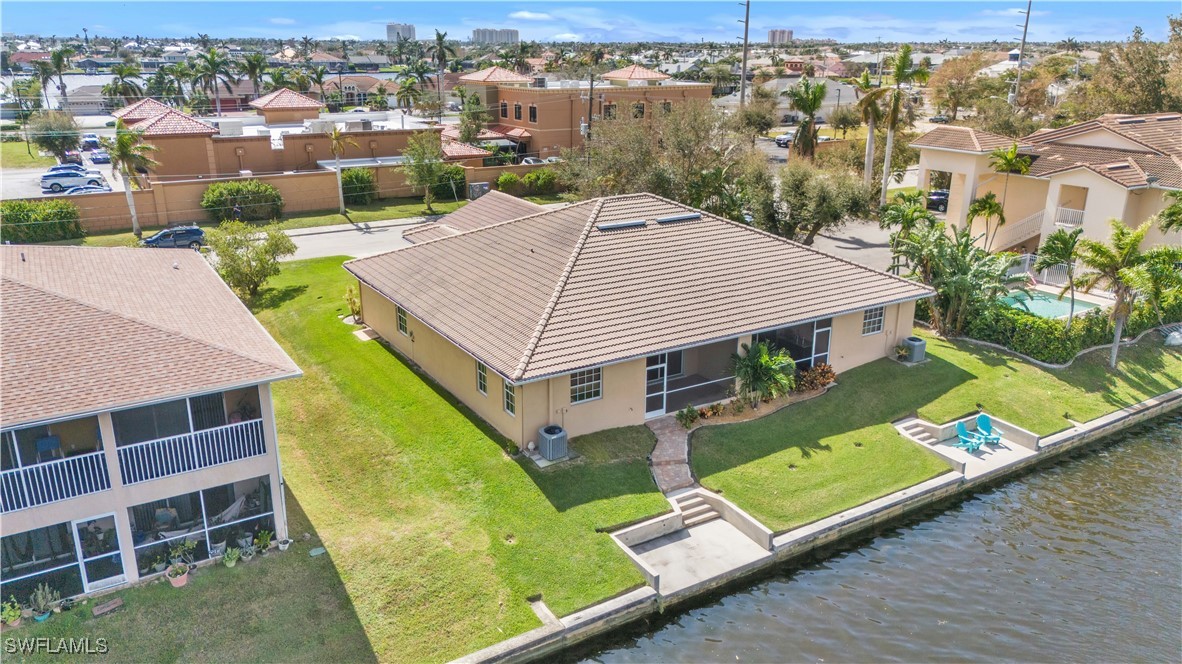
49	482
1068	217
191	451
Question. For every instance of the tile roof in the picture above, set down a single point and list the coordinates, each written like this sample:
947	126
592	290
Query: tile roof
1128	168
489	132
965	139
363	83
494	74
286	99
491	208
88	329
457	150
1158	132
141	110
558	291
634	73
174	123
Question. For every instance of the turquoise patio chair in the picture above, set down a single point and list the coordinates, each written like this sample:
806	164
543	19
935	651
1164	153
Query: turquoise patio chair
967	440
986	430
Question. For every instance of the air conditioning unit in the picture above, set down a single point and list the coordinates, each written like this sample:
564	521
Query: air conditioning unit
230	127
477	189
318	126
539	81
552	442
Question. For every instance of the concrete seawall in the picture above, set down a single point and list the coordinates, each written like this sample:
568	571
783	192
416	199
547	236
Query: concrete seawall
640	603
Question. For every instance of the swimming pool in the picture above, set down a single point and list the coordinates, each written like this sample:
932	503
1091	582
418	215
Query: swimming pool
1046	305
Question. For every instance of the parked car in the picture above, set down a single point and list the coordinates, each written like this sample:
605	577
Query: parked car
532	161
360	109
72	157
824	139
938	119
190	237
784	140
553	160
73	168
87	189
90	141
99	157
58	181
938	200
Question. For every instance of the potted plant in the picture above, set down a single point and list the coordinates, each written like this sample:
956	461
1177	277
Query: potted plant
230	557
159	564
284	543
178	574
42	600
263	541
10	612
247	552
901	353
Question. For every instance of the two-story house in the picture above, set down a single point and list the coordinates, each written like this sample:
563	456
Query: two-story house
135	415
1113	167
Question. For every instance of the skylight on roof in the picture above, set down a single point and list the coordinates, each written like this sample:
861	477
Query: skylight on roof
673	218
616	225
1118	167
1131	121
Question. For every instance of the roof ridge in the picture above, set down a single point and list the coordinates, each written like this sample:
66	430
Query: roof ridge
140	321
548	311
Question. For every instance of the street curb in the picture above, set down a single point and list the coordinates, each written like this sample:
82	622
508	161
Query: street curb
345	228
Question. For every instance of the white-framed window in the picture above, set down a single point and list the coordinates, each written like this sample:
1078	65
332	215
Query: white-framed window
482	378
510	399
586	385
872	320
402	320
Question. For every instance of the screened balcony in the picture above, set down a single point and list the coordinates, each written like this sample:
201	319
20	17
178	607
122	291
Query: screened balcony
52	462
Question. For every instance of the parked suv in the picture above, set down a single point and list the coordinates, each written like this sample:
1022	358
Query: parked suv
73	168
190	237
57	181
938	200
784	140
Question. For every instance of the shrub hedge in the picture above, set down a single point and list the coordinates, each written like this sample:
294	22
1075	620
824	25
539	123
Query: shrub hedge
452	176
258	200
510	183
46	220
360	185
540	181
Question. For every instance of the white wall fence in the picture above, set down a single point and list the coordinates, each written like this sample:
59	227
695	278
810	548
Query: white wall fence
49	482
191	451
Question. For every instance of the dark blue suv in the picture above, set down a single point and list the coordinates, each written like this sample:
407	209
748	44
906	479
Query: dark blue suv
189	237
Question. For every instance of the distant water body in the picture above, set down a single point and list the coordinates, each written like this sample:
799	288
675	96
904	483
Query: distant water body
1080	561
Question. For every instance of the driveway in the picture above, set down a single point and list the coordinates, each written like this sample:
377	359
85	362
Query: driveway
861	242
354	240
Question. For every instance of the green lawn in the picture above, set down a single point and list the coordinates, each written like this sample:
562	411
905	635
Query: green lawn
388	209
438	535
752	462
16	155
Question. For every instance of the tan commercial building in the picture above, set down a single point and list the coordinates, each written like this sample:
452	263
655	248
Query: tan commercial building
611	311
135	416
1081	176
545	116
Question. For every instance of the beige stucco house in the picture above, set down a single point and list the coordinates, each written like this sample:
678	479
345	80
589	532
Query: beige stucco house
611	311
135	414
1113	167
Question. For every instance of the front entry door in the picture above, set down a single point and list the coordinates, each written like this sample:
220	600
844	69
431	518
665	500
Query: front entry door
655	378
98	550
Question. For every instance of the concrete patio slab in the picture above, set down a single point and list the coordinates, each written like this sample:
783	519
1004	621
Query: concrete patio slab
695	555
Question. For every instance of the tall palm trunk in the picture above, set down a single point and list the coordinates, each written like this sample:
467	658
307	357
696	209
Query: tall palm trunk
886	164
340	186
61	83
868	161
1071	307
1005	189
1120	327
135	220
217	94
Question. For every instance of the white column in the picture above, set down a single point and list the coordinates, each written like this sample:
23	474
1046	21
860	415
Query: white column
131	569
271	436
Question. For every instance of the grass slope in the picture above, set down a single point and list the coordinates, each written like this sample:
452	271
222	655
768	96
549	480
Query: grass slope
751	461
16	155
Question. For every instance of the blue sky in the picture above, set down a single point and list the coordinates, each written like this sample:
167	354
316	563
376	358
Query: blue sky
683	20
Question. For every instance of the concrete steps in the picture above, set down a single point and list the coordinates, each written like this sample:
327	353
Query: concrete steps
916	430
694	510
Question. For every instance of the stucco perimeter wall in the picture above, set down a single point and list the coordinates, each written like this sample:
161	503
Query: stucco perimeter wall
849	349
107	212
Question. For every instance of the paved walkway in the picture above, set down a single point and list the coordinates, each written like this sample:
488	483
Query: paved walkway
670	458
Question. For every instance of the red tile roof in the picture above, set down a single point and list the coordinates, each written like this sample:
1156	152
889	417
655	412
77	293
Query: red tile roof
458	150
141	110
494	75
174	123
964	139
634	73
285	99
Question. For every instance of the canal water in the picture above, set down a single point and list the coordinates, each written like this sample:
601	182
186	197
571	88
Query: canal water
1076	561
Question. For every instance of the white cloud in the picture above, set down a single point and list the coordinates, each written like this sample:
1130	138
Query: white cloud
278	20
566	37
531	16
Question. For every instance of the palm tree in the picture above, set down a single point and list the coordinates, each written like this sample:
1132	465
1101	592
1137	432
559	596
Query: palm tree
129	155
60	59
43	72
763	373
907	212
281	78
382	94
420	71
806	97
1171	216
345	49
1070	45
318	75
408	93
719	76
1121	267
869	104
986	207
307	46
1060	248
337	142
123	82
439	51
401	48
180	73
213	71
905	72
1006	160
253	68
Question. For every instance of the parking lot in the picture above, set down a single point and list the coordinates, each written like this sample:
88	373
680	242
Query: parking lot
26	182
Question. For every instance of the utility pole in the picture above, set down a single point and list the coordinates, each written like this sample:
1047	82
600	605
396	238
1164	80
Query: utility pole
743	74
879	58
1021	55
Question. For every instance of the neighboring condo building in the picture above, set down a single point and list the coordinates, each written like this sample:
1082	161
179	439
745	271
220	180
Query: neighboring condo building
495	36
779	36
394	31
130	422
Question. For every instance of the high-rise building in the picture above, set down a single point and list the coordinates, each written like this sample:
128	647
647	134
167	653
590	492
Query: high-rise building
395	31
495	36
775	37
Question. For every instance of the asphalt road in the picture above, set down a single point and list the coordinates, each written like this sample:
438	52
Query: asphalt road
26	182
351	240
